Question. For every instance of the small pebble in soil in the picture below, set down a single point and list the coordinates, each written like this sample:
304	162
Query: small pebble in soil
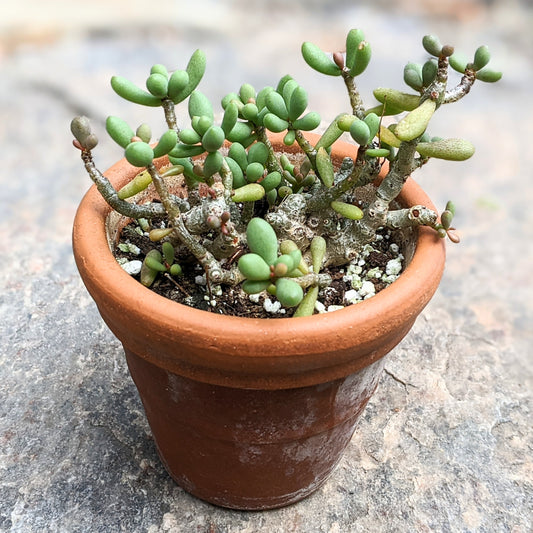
132	267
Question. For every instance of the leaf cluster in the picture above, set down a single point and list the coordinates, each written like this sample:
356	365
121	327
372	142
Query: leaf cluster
234	159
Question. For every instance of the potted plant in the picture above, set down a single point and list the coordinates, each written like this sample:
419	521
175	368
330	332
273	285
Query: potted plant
253	388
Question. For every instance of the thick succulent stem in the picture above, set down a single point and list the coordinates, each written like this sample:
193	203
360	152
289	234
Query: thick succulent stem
348	177
376	214
172	210
322	280
417	215
399	171
438	87
170	114
208	261
353	94
227	181
110	195
273	164
306	146
462	89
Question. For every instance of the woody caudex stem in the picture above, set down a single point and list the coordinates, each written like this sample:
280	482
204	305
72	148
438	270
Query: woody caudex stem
207	260
417	215
375	215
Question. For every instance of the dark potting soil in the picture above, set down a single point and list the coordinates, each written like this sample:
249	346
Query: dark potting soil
191	289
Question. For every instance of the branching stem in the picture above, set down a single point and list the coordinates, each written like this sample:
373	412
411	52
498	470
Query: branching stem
417	215
205	258
462	89
170	114
108	192
306	146
272	162
353	94
376	214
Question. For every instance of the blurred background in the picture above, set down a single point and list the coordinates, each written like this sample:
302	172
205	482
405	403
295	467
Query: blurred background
57	58
445	445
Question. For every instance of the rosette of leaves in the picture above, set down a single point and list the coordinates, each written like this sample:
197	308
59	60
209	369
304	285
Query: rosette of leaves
244	111
357	58
286	106
444	228
363	132
251	177
264	269
161	85
460	63
202	137
137	148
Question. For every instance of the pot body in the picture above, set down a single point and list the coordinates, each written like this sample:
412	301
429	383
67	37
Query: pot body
248	413
250	449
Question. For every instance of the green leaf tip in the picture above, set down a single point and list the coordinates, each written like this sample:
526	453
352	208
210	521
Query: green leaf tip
262	239
288	292
119	130
448	149
129	91
80	127
415	122
432	45
318	60
139	154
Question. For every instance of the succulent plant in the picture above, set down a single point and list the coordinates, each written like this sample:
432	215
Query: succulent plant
286	219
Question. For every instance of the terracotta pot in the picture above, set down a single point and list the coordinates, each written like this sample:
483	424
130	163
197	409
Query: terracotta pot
249	413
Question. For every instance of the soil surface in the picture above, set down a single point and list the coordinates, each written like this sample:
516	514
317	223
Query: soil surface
191	289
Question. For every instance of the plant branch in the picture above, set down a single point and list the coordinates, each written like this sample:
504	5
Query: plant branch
205	258
272	162
227	181
322	280
349	176
306	146
462	89
399	171
170	114
376	214
353	94
110	195
417	215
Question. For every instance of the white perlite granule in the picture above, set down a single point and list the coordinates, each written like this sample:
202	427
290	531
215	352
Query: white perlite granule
320	307
132	267
394	266
273	307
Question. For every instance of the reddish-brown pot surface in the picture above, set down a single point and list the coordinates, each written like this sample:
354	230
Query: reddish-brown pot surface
250	413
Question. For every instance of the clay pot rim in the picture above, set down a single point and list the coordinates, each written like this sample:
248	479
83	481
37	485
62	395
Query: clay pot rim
238	341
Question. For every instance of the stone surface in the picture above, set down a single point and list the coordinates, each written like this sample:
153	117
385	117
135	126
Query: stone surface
446	442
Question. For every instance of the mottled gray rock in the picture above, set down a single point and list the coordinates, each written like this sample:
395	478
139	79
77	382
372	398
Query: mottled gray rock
446	442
